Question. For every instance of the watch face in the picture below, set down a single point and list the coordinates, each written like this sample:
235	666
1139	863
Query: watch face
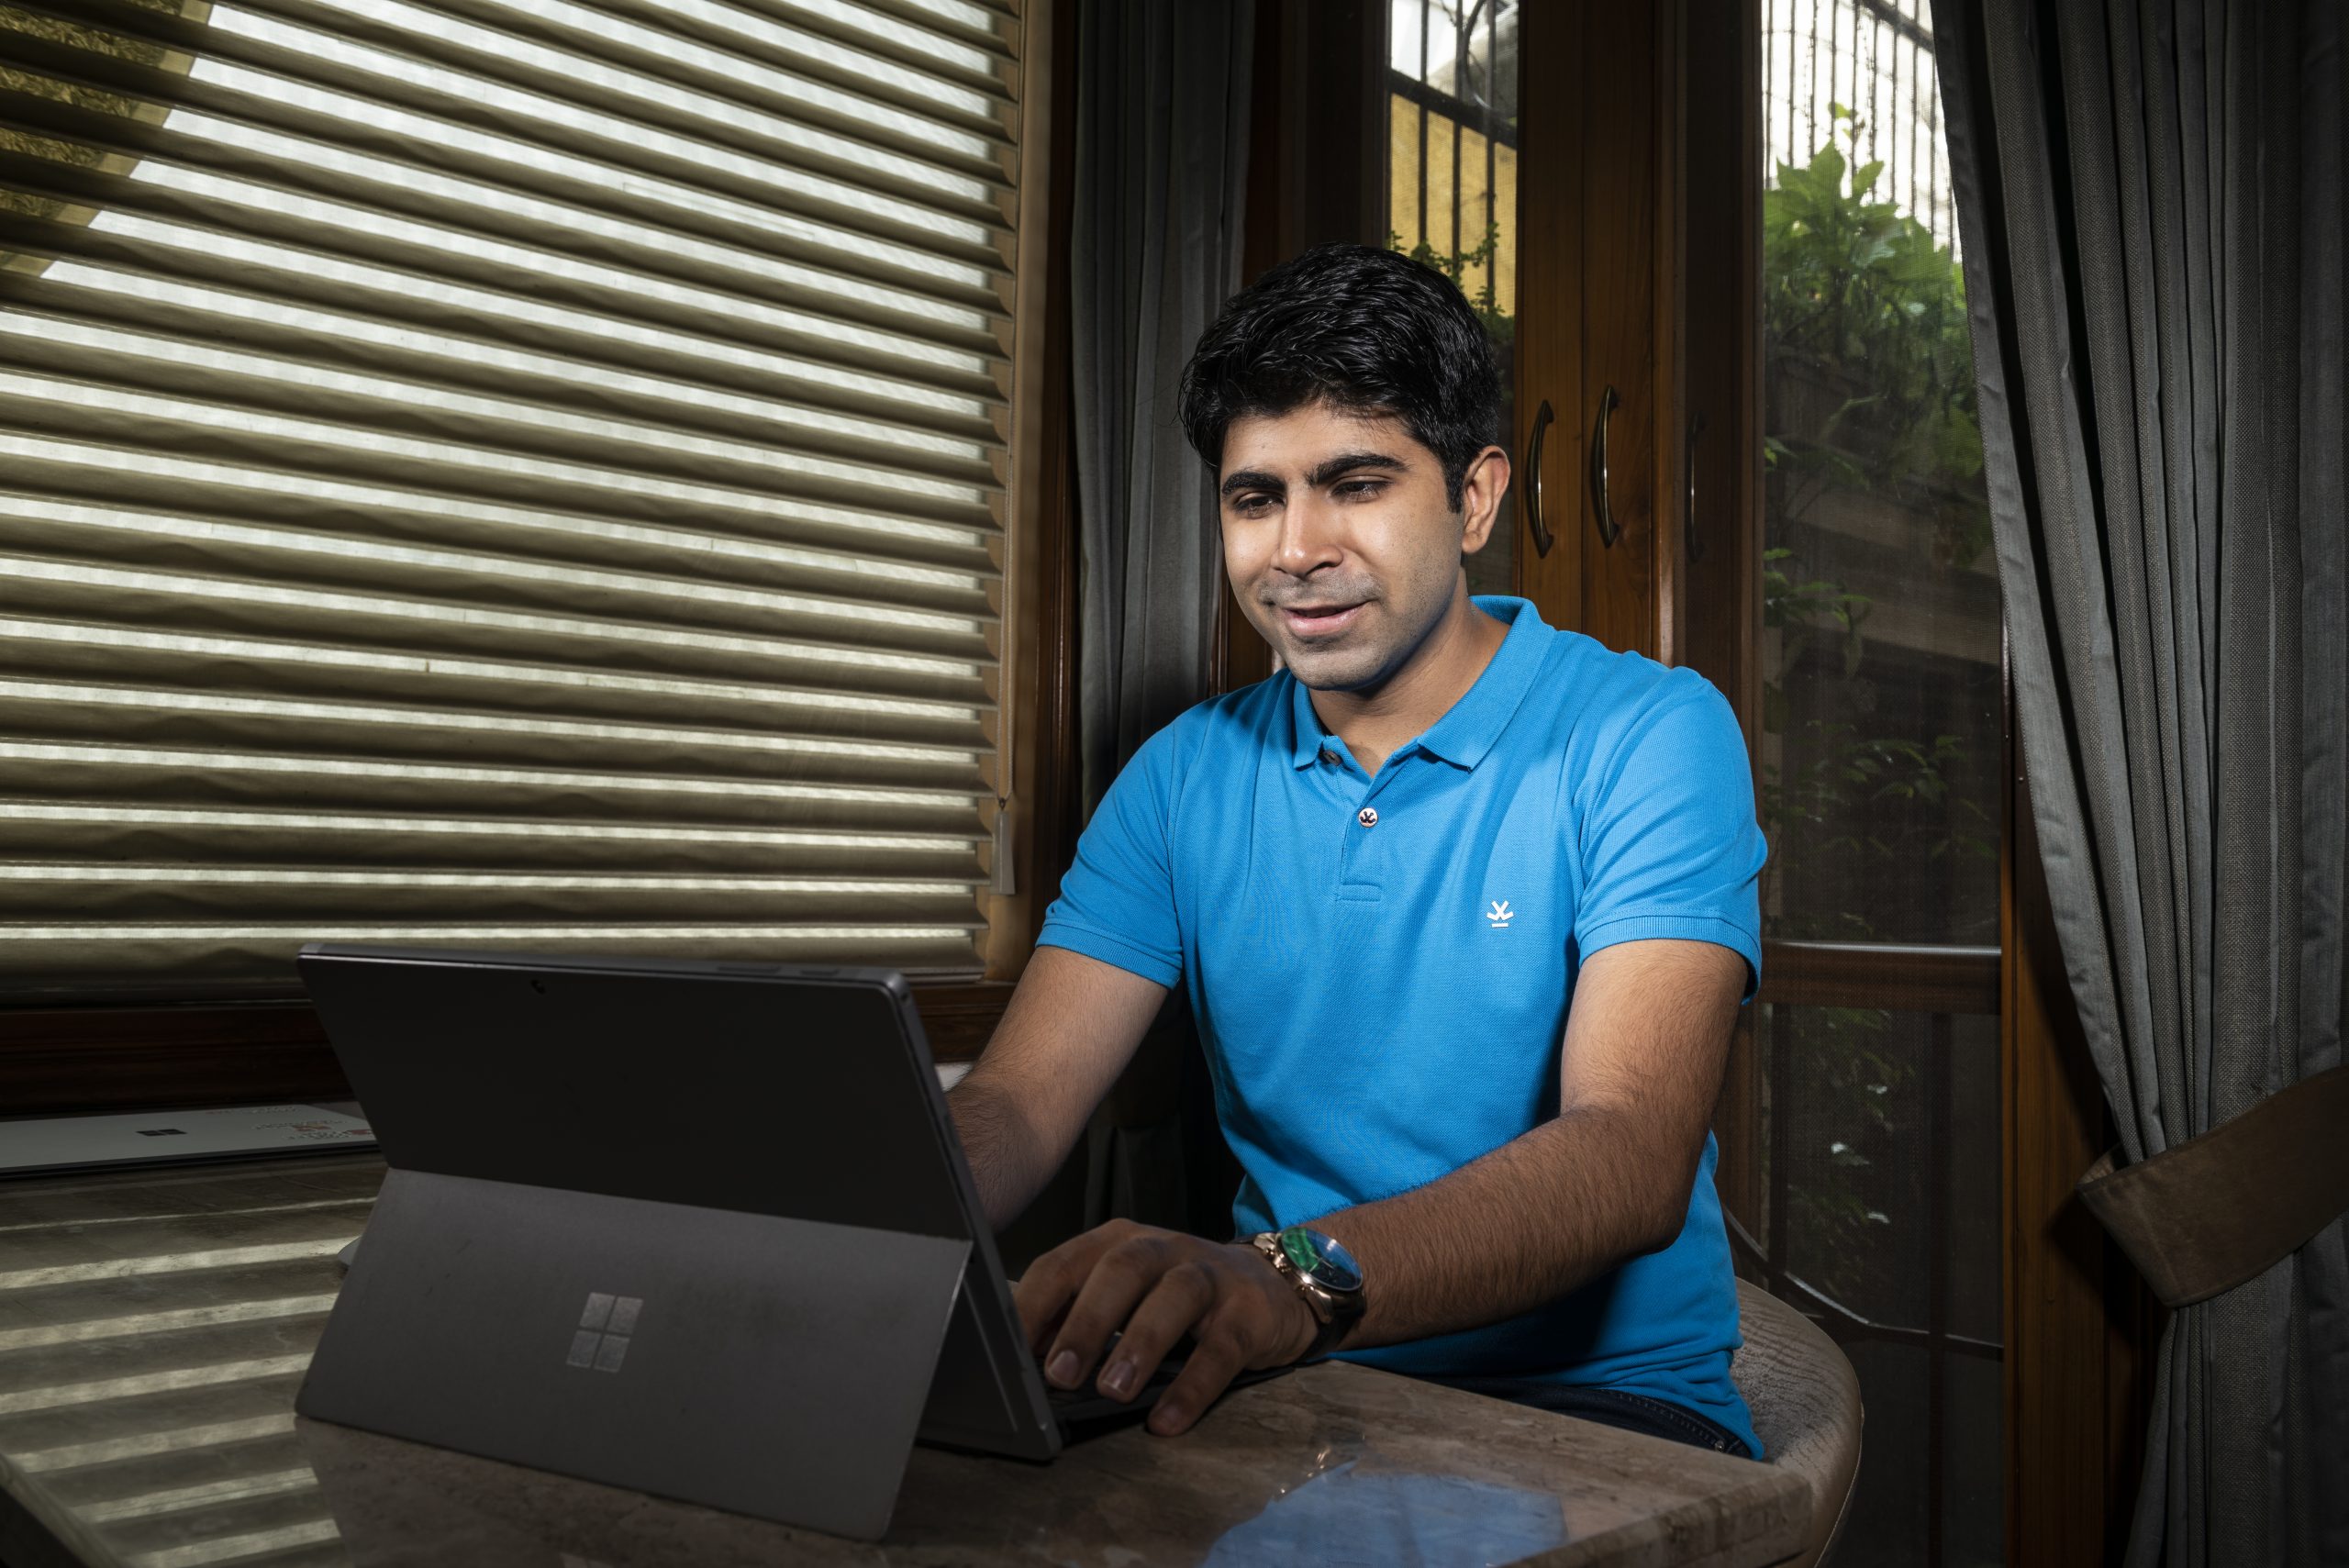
1321	1258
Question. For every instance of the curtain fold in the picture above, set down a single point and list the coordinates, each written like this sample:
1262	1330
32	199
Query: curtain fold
2151	213
1162	103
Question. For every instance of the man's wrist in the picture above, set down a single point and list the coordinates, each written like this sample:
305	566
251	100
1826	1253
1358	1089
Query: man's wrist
1305	1328
1324	1278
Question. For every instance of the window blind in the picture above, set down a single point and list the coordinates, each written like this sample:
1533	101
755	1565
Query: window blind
522	474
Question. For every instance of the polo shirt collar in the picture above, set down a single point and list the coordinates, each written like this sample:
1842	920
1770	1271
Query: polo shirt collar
1470	726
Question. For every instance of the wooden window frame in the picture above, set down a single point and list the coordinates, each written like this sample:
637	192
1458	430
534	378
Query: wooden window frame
140	1049
2078	1324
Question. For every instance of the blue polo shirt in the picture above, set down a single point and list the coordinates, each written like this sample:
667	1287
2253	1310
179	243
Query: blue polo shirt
1380	967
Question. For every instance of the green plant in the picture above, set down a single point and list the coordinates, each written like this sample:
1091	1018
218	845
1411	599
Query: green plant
1872	398
1866	311
1498	324
1872	395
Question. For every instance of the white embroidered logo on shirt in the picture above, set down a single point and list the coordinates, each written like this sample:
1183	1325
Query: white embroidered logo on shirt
1500	915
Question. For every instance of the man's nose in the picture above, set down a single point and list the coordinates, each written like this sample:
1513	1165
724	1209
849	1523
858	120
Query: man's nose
1308	538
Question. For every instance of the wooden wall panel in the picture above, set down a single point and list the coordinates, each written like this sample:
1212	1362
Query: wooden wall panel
2080	1326
1714	610
1037	760
1551	210
1599	304
1717	603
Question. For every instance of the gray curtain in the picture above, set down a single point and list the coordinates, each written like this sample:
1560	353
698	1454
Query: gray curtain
1163	98
1160	172
2151	212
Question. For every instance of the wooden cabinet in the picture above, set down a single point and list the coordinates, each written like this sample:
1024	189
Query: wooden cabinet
1598	384
1636	331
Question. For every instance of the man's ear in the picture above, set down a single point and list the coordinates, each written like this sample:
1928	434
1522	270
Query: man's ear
1481	490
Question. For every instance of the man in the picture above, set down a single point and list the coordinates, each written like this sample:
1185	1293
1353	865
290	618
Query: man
1466	909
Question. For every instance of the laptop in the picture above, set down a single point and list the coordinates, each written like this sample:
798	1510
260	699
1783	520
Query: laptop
48	1145
700	1229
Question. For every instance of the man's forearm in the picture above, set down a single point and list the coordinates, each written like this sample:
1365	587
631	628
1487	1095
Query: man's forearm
1070	1027
1544	1214
1010	1160
1607	1180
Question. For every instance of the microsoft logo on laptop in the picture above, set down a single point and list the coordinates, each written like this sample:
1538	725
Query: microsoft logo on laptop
604	1327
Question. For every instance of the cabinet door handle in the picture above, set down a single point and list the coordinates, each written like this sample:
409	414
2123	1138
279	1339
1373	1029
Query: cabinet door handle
1609	530
1542	538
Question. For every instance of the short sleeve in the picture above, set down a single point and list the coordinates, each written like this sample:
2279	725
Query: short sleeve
1670	848
1117	901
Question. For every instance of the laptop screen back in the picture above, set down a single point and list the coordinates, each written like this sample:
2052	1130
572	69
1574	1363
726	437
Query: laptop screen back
734	1086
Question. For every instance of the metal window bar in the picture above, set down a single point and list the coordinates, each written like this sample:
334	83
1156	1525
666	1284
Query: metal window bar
1876	59
1492	149
1417	79
1436	101
1465	94
1460	91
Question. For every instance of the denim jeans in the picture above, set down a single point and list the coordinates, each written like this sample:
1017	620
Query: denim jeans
1608	1406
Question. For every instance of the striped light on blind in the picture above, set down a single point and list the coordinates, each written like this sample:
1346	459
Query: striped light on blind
522	474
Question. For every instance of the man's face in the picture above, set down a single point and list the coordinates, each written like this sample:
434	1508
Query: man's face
1339	540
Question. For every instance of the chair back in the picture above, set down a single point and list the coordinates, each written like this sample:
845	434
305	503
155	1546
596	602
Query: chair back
1805	1400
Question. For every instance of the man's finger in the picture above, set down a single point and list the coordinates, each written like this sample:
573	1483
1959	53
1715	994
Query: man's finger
1182	1295
1215	1360
1051	1282
1122	1276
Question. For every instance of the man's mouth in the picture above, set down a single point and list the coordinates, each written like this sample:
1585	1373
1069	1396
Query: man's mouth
1318	620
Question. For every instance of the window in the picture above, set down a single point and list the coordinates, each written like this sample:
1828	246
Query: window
1451	177
525	475
1875	1199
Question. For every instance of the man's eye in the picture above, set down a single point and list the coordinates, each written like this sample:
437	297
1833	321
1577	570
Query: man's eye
1361	489
1249	506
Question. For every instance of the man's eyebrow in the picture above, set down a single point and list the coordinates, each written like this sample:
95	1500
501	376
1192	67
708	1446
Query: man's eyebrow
1324	472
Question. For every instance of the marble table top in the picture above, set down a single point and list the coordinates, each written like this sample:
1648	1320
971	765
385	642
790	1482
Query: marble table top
153	1328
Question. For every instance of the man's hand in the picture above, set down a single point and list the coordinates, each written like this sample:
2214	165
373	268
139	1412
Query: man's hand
1158	1285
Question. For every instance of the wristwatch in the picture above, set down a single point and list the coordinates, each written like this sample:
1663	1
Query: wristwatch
1325	1274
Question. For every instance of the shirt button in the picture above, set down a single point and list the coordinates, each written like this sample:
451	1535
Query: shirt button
1328	755
1367	816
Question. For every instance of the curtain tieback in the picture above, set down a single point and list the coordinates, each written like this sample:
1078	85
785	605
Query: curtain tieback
2218	1209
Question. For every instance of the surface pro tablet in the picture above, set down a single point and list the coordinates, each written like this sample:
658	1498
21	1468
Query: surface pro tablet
46	1145
700	1229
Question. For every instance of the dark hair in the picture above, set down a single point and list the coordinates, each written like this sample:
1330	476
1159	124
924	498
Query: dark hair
1362	329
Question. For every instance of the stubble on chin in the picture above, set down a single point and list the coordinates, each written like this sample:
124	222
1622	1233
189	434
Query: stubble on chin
1332	668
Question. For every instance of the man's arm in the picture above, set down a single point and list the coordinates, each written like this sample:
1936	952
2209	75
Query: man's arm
1070	1027
1605	1180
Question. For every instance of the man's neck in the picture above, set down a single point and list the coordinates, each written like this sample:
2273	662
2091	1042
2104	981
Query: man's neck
1401	708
